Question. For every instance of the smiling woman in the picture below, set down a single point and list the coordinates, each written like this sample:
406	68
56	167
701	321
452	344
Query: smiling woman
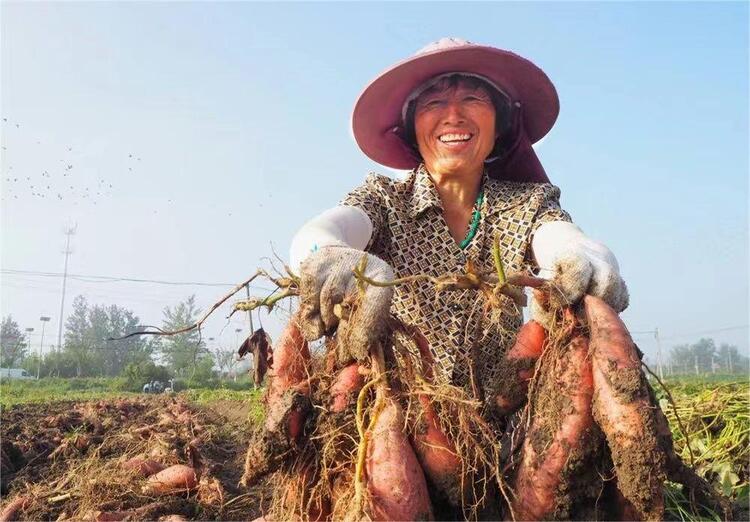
463	118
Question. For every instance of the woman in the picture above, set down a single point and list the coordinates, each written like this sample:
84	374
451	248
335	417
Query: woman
463	117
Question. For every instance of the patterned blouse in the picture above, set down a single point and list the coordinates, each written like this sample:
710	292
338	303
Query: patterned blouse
410	233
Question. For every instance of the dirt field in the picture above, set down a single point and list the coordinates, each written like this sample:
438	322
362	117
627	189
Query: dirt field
66	459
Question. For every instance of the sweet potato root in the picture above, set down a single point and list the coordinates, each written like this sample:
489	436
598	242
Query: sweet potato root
174	479
621	407
518	368
557	442
396	483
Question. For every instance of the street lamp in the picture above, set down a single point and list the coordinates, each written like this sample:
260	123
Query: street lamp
44	319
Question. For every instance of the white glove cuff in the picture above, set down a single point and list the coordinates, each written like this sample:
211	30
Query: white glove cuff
338	226
557	239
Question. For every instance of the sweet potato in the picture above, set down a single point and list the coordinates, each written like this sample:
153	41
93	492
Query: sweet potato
436	453
621	407
348	382
143	467
396	483
290	359
287	406
174	479
518	368
556	443
10	511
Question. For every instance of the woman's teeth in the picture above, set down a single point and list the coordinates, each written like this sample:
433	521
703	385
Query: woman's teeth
448	138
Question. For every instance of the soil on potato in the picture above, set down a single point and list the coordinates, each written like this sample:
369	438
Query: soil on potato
66	458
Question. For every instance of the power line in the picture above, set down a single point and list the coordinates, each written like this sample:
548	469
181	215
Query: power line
715	330
114	279
687	334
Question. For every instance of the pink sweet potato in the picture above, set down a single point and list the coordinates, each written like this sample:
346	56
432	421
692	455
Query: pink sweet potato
175	479
10	511
287	406
556	433
436	453
291	359
519	367
622	409
348	382
396	483
143	467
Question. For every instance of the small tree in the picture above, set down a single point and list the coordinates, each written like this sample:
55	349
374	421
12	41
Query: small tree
184	351
225	360
78	341
12	343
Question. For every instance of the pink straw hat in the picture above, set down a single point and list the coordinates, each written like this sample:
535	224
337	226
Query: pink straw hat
377	118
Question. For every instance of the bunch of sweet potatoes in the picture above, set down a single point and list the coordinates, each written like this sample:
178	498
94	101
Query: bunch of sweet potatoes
590	407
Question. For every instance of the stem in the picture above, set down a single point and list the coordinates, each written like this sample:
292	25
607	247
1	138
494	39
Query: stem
498	261
676	416
270	301
364	438
200	321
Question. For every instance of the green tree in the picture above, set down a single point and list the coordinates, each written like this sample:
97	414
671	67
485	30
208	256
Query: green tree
87	339
184	353
730	360
697	358
12	343
78	342
225	359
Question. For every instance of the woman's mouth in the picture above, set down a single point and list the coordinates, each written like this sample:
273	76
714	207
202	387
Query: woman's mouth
455	137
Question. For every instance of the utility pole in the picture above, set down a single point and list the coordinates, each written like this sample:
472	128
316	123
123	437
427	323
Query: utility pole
658	353
69	232
696	364
44	320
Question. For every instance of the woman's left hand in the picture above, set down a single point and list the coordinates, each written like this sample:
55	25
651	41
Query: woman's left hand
585	269
578	265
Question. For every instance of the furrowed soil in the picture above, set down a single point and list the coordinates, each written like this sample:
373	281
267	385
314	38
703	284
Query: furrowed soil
66	458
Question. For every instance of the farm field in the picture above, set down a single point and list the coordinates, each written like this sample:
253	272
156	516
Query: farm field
64	450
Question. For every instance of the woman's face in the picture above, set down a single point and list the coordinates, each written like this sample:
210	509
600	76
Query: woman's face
455	128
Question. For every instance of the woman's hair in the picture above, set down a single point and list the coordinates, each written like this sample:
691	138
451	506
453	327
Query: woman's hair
503	120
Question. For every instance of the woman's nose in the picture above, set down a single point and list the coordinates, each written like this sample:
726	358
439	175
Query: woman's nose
454	112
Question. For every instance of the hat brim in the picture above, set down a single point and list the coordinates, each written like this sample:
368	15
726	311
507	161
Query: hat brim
377	112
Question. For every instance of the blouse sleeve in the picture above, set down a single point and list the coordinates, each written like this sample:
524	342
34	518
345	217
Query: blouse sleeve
370	197
549	208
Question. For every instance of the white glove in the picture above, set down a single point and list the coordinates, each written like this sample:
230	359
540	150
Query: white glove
326	279
337	226
578	265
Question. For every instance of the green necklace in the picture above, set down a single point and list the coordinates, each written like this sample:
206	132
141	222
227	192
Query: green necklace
474	220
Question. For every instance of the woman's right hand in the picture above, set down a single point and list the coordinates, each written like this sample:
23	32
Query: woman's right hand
327	278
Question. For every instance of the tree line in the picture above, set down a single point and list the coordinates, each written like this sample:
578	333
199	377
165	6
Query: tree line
704	357
88	352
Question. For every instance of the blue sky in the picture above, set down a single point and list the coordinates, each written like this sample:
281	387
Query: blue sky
239	113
